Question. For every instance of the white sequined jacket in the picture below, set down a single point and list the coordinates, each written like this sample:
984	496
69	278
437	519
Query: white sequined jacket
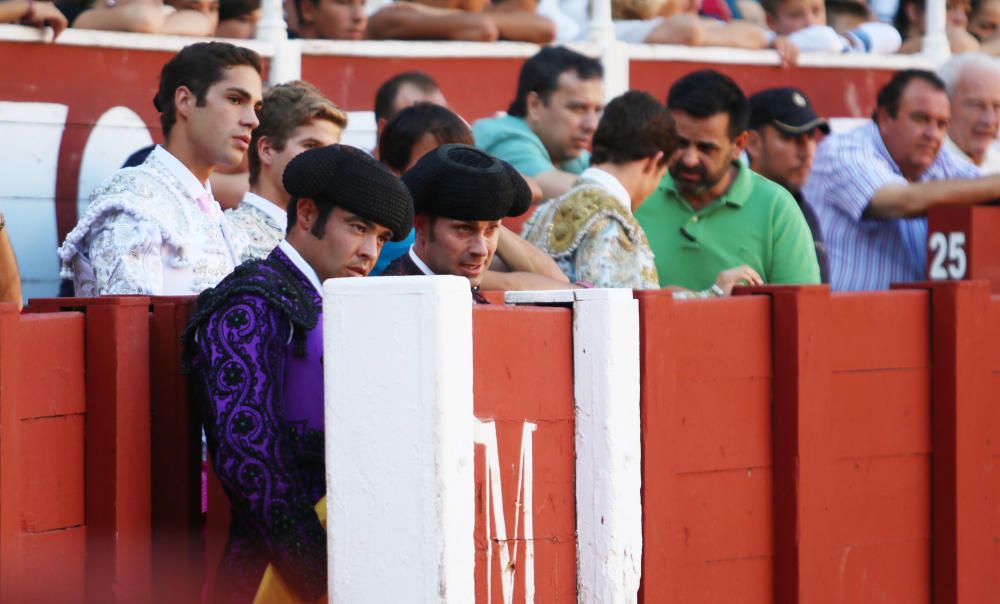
262	222
144	233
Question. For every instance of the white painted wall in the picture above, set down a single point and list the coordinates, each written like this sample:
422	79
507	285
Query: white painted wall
32	133
118	133
399	439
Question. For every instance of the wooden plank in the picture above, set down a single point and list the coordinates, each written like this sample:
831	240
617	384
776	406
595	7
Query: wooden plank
175	422
961	409
721	425
706	388
57	341
883	572
875	500
881	413
118	450
880	330
52	488
743	581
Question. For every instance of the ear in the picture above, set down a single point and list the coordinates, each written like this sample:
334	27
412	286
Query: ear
533	103
420	225
739	144
184	101
770	20
755	145
882	119
265	151
651	165
306	213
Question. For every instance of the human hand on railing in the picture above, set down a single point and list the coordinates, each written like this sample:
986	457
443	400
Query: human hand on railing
787	51
45	14
740	275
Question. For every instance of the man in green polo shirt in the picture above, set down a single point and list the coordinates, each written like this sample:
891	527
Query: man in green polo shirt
711	212
550	123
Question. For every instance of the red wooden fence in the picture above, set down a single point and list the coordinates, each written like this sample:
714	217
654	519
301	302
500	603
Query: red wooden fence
798	446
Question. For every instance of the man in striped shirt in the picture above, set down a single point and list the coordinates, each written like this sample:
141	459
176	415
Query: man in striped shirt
872	186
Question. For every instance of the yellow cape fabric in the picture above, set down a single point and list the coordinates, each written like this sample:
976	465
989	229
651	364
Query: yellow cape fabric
274	590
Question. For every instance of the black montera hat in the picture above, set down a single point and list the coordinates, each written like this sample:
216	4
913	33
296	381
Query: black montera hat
787	109
349	178
464	183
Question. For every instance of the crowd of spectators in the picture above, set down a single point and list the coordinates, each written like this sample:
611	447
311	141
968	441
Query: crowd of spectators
788	26
702	193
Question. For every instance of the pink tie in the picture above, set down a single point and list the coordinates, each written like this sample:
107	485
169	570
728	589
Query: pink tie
204	203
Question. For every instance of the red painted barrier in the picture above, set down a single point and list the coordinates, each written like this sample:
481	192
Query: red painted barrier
851	441
535	385
866	454
117	444
707	467
42	505
798	446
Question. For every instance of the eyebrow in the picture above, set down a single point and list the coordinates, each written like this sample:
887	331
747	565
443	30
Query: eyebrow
369	224
240	91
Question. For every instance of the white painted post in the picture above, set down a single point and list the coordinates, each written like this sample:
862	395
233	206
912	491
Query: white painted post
602	28
286	63
399	439
935	44
614	54
608	445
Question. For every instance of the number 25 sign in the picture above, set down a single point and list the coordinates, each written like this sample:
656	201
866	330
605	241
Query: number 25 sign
948	259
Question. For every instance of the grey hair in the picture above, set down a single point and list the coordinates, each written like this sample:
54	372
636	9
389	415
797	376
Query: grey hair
951	72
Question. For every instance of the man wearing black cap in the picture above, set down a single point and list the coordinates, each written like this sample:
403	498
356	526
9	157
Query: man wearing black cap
783	134
460	195
255	348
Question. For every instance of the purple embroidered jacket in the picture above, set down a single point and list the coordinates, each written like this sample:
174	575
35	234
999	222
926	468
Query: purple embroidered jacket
255	347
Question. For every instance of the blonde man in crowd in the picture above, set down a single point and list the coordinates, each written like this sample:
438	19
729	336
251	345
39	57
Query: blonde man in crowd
295	117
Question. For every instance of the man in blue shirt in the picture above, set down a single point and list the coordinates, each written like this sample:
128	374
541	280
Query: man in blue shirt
547	131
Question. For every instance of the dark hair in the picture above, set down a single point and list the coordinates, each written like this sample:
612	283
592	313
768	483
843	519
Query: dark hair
634	126
849	8
411	124
285	108
707	92
902	19
771	6
540	74
385	96
889	95
198	67
234	9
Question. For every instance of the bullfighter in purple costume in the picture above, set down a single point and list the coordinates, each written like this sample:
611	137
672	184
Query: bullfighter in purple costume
255	347
460	195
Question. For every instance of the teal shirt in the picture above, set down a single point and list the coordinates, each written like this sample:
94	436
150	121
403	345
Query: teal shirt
755	222
512	140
